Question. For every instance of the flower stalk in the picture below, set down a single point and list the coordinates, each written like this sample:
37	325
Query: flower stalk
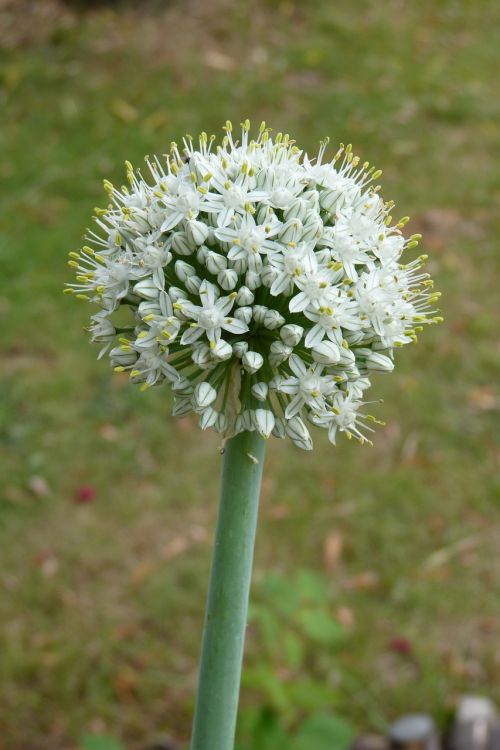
227	605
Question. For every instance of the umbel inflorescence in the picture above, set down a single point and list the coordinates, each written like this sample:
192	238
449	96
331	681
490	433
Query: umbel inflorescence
266	287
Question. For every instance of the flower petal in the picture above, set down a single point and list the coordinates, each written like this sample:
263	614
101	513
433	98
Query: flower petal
234	325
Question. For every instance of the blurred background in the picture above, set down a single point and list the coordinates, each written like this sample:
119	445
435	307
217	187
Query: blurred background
377	573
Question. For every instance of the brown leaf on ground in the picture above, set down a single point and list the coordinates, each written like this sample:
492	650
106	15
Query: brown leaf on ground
332	551
345	616
484	398
125	684
175	547
187	424
49	565
109	432
368	579
143	571
219	61
38	486
278	512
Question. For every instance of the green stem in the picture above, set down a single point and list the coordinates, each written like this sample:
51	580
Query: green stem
227	605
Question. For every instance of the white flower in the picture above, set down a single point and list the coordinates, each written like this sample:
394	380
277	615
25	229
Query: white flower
264	286
232	198
315	285
211	317
250	241
340	314
184	205
307	386
289	265
343	416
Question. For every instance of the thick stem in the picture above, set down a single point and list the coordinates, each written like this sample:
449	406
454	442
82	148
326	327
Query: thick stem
227	606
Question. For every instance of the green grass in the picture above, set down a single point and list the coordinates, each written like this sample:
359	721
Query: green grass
102	604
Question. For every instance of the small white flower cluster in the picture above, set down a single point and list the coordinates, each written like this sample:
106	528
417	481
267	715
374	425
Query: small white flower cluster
265	286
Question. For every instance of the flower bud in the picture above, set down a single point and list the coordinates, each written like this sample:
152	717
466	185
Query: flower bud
196	232
279	352
183	387
264	214
311	197
379	362
122	358
201	356
356	388
202	254
193	284
103	329
239	348
244	422
181	244
215	262
328	199
252	280
220	424
148	308
252	361
273	319
296	210
291	231
313	227
291	334
281	197
298	432
222	351
263	420
204	395
275	383
240	266
326	353
183	270
254	263
146	289
324	256
244	296
268	275
259	313
355	337
227	279
176	294
208	418
182	407
244	314
260	391
279	428
347	357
